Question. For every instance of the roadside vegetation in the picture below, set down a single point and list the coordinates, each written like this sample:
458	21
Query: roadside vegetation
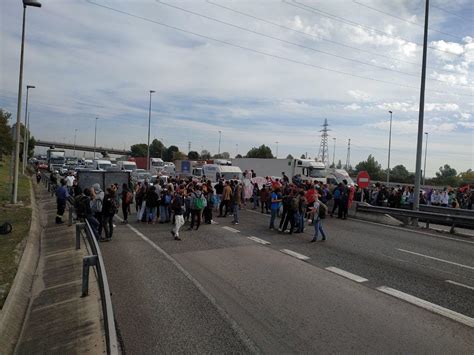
12	245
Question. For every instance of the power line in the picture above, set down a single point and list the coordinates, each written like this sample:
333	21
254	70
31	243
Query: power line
302	46
355	24
451	13
290	60
322	37
405	20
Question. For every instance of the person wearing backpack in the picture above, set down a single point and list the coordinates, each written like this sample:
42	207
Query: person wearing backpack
337	198
291	212
318	213
109	210
165	202
197	203
177	206
96	205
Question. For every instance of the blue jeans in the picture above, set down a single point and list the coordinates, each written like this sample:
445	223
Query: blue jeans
299	222
164	214
235	208
272	217
318	227
151	214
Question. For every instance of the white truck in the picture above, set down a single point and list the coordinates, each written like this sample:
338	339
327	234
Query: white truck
308	169
100	164
214	172
127	165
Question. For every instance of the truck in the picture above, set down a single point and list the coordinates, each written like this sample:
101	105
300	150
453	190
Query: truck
309	169
156	164
56	159
100	164
127	165
215	172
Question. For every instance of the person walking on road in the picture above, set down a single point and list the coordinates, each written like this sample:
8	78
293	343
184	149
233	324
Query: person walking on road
96	205
226	197
109	210
236	201
275	206
61	199
127	198
197	202
318	213
177	207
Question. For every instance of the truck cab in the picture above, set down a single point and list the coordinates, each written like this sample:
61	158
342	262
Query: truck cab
127	165
100	164
309	169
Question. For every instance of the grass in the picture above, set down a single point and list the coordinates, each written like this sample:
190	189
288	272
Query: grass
12	245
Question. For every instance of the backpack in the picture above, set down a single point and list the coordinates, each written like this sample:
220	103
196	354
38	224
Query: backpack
113	206
322	210
295	203
80	206
199	202
177	203
128	198
96	205
167	199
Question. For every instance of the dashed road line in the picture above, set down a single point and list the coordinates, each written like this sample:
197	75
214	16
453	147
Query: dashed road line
258	240
460	284
230	229
295	254
437	259
458	317
346	274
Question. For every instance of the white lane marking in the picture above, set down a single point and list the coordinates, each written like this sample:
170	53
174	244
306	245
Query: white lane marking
458	317
241	333
258	240
442	260
411	231
346	274
460	284
295	254
230	229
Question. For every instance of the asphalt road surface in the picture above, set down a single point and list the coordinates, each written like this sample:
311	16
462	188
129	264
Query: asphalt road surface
245	289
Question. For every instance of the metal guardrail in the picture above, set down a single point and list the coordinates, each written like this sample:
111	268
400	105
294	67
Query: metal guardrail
447	210
96	260
93	260
428	217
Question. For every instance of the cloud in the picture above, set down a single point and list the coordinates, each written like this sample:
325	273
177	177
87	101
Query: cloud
353	107
414	107
359	95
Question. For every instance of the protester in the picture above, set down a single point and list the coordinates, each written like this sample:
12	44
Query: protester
97	204
236	202
197	203
318	213
226	198
61	200
127	198
177	206
110	208
275	206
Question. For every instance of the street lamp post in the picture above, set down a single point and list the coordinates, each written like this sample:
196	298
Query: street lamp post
149	125
334	152
219	148
25	134
14	198
276	155
75	132
95	135
426	152
389	147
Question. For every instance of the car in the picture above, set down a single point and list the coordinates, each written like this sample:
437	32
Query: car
43	165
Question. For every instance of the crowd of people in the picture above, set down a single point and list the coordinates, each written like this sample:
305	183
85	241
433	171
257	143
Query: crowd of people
180	201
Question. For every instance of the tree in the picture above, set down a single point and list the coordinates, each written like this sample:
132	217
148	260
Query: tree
6	147
156	148
205	155
332	166
446	176
239	156
303	156
138	150
261	152
399	174
169	153
193	155
466	177
372	167
289	156
339	164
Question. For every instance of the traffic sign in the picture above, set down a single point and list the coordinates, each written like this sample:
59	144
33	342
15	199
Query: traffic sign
363	179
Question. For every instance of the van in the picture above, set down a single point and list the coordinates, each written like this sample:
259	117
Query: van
100	164
215	172
127	165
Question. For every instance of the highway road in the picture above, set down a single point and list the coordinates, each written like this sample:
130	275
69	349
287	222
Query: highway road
245	289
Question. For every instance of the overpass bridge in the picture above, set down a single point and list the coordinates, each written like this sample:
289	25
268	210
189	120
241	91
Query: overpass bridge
84	148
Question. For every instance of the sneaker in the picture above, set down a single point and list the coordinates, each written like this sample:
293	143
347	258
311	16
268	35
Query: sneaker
177	238
313	240
236	223
172	233
279	229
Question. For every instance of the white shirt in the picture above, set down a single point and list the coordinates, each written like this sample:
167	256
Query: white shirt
444	199
70	180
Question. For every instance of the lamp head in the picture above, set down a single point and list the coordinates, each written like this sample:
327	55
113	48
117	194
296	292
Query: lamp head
33	3
390	111
30	86
152	91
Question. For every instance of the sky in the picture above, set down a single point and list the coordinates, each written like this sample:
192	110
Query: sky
260	71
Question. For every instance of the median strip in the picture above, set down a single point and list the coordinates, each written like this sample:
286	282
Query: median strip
295	254
346	274
458	317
